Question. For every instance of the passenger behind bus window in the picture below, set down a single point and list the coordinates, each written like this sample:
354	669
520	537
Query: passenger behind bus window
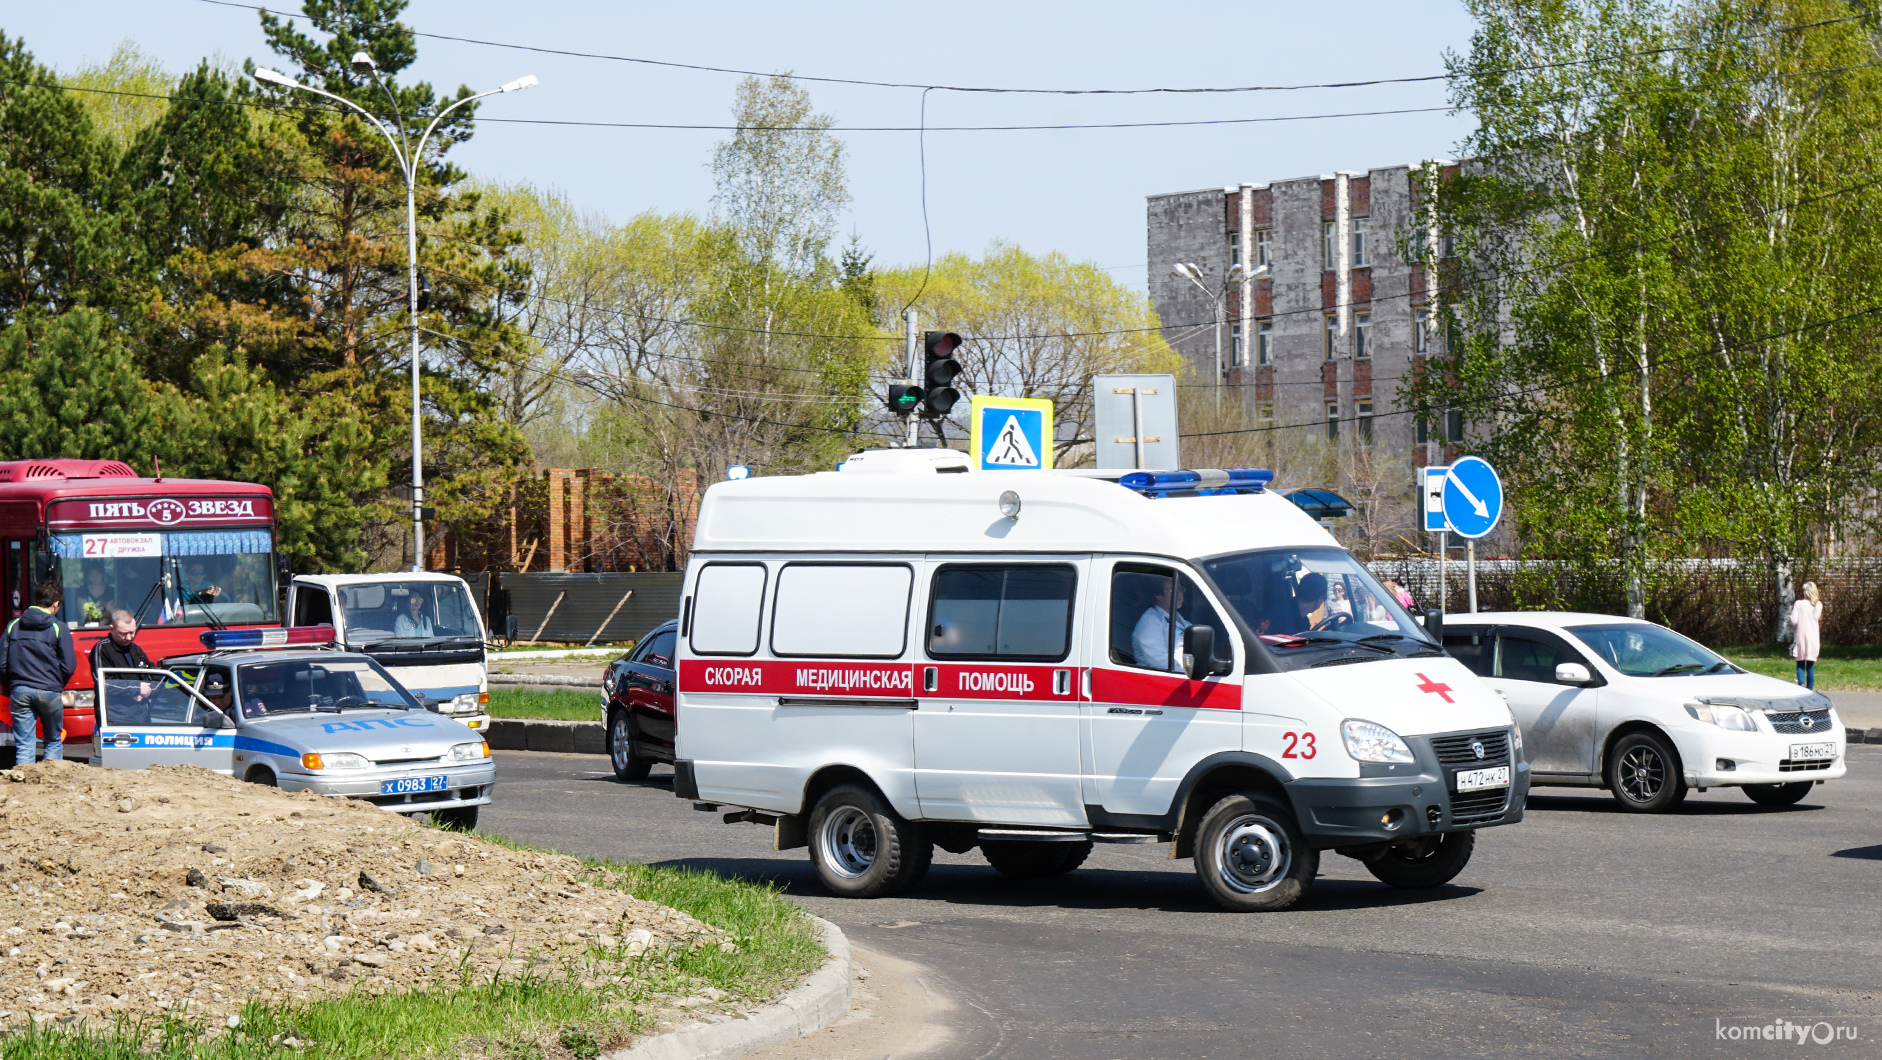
94	601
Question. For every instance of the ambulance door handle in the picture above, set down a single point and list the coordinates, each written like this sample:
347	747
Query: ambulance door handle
1061	682
930	678
1085	682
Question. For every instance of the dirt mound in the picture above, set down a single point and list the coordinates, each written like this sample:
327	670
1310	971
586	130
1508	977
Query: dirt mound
175	890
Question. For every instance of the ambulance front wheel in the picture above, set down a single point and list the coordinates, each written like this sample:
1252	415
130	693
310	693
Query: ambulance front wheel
1251	856
1424	861
861	848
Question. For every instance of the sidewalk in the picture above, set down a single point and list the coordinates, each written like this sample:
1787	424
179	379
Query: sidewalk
1859	710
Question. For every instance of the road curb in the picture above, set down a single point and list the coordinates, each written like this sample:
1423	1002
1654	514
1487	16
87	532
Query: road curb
570	681
556	737
822	1000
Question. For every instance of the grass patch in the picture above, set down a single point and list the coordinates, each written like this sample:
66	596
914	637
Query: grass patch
1855	668
514	701
573	1007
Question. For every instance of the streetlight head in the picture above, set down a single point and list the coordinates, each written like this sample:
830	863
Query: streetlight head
363	65
1235	271
1186	270
272	77
1261	272
521	83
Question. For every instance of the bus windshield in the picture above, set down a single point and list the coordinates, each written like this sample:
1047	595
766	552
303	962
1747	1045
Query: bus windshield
169	577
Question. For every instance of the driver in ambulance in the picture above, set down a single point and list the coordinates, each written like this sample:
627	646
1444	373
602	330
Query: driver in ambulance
1150	640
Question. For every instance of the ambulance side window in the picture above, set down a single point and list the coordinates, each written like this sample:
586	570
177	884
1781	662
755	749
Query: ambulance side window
841	610
728	604
1144	633
1019	612
1471	649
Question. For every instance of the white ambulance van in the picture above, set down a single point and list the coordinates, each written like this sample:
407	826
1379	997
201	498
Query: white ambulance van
904	654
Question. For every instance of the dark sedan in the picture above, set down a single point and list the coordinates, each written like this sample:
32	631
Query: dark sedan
639	690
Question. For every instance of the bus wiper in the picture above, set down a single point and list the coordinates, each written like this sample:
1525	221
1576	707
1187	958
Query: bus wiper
1676	668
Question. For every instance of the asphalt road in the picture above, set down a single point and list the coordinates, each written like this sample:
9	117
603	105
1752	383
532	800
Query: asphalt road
1582	932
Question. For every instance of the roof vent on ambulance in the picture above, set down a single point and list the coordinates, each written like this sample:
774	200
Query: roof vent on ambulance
28	470
906	462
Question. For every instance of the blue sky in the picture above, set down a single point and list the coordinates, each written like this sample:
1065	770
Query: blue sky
1081	192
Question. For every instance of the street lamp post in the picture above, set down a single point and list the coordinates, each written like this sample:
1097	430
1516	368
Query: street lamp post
408	158
1192	272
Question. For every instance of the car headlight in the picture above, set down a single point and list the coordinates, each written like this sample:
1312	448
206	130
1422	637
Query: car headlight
337	760
1516	740
1737	719
465	752
1371	742
471	702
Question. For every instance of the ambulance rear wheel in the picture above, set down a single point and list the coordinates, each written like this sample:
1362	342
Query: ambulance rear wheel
1033	861
861	848
1778	794
1425	861
1251	856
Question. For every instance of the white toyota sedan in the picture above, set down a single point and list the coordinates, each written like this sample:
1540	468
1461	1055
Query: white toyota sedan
1637	709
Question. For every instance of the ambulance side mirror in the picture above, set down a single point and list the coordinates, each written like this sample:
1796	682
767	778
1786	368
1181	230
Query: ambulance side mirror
1199	652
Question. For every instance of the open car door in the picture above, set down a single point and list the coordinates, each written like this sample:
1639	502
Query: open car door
156	718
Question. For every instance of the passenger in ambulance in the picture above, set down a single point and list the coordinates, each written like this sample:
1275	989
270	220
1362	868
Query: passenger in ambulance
1150	640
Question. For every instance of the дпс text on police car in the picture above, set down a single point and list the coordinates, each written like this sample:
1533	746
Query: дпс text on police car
894	657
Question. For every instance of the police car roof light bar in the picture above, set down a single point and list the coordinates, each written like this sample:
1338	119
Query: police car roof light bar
293	636
1200	480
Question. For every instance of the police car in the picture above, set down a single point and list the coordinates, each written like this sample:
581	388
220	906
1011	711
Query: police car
273	707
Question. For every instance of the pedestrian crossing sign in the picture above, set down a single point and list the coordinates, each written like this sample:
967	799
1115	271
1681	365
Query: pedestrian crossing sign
1011	434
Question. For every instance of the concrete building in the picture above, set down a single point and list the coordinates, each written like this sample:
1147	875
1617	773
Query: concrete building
1323	340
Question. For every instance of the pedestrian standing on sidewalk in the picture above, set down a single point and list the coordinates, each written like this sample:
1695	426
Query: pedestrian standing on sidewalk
1806	634
37	659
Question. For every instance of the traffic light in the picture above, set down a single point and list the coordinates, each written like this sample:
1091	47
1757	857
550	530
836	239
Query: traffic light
938	353
904	399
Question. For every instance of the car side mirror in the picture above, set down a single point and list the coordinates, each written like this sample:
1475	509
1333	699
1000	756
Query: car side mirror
1434	624
285	565
45	567
509	628
215	719
1199	652
1572	673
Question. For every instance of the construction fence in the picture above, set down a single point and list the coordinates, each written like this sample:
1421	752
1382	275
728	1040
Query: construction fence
579	608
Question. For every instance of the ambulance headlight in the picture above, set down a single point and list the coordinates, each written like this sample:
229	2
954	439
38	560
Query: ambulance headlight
465	752
337	760
1009	504
1369	741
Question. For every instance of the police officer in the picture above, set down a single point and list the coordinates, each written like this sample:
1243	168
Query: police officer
37	659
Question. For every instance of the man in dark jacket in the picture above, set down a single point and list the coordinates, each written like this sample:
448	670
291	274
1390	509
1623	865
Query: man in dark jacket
36	660
119	650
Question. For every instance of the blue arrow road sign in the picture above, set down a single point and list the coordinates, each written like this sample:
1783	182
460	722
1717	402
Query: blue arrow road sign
1473	497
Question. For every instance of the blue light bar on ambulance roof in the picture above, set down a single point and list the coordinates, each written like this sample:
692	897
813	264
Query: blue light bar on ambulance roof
1200	481
224	639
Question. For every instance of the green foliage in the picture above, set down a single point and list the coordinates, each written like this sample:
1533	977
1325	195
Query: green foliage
124	94
75	392
544	705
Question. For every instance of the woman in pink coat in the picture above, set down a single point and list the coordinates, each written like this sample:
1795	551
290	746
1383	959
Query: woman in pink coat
1806	639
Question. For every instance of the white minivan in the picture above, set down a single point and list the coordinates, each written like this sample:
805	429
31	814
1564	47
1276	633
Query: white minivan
904	654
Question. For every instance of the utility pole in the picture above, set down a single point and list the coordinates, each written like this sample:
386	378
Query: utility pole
914	421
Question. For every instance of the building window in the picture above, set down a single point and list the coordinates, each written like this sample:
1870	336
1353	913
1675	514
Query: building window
1235	345
1235	249
1447	244
1454	426
1264	413
1264	342
1333	421
1332	335
1361	228
1364	422
1362	334
1423	428
1330	244
1421	331
1264	252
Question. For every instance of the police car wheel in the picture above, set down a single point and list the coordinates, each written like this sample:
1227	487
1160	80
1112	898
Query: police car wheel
1644	774
1032	861
861	848
262	776
1251	856
628	766
1424	861
1778	794
462	818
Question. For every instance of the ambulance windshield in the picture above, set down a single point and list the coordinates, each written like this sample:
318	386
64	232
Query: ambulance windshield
1317	607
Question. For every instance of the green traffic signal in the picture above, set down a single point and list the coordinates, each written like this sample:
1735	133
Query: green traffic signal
904	399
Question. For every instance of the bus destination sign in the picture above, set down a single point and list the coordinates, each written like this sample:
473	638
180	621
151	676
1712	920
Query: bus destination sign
161	511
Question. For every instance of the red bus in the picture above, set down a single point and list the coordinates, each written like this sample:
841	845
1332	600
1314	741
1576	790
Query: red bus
183	555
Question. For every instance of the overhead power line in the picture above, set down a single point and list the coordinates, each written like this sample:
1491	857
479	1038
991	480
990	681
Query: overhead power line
1011	90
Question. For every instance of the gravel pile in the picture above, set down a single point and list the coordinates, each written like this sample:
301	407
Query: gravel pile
175	890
